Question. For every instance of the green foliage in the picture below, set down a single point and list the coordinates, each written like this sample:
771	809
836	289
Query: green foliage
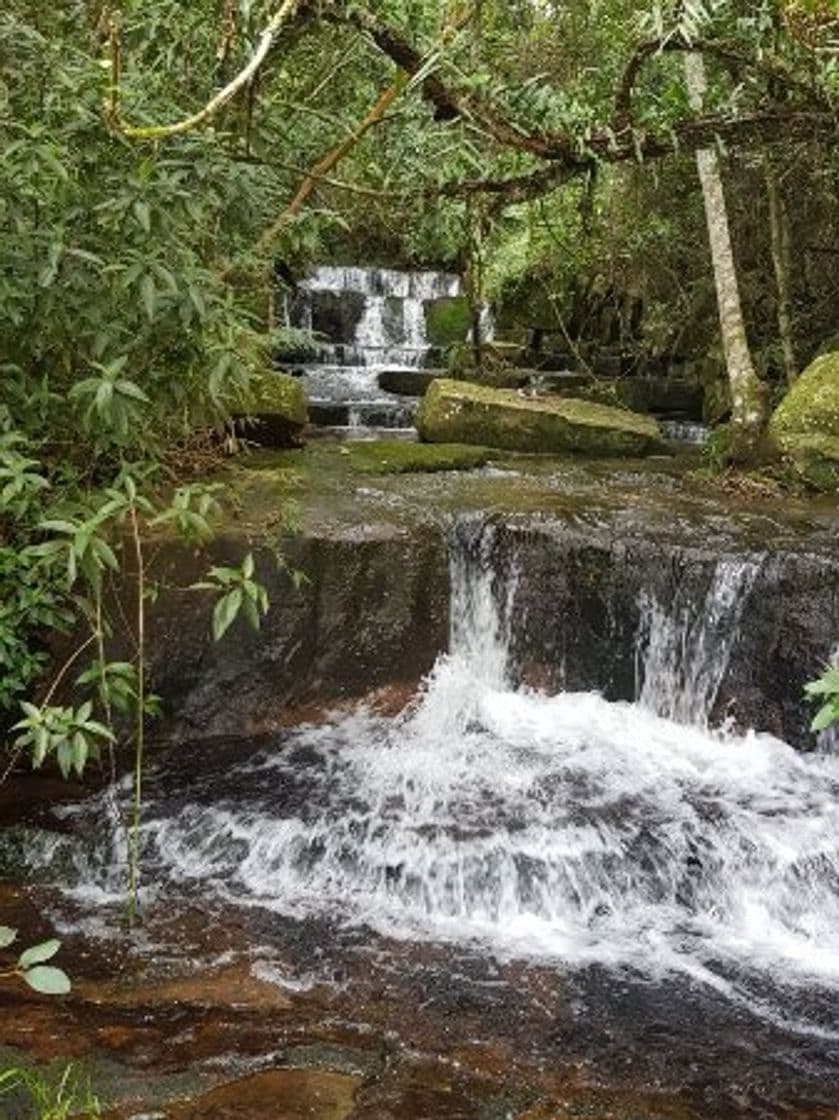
239	592
32	968
825	691
35	1095
66	732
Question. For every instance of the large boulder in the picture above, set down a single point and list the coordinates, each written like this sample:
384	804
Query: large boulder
805	425
278	413
460	412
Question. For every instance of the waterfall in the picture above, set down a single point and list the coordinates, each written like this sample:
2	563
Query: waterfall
390	330
482	602
560	828
374	319
683	651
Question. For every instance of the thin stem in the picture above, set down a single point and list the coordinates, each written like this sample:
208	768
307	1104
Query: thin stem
139	742
106	696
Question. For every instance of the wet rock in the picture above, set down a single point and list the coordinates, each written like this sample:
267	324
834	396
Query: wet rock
564	383
662	396
406	457
28	853
372	611
289	1094
335	315
457	412
278	414
234	987
805	425
408	382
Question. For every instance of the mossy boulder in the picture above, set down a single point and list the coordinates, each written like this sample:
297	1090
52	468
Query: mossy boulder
278	413
447	320
805	425
460	412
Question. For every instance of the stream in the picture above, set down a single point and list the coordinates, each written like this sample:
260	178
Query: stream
616	886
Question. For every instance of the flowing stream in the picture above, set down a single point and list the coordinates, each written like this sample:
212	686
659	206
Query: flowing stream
557	828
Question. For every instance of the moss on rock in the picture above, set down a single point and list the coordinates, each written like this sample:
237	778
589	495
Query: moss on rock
805	425
401	457
459	412
278	412
447	320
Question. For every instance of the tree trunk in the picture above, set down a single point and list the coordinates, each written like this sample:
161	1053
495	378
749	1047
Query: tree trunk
748	398
781	259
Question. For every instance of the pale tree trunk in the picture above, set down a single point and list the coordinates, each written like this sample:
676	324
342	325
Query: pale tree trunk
748	399
781	260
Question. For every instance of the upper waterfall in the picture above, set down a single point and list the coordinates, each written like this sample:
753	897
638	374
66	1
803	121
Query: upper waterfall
366	321
372	317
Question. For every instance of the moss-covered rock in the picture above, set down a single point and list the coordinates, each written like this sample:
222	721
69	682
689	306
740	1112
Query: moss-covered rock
459	412
278	413
393	456
447	320
805	425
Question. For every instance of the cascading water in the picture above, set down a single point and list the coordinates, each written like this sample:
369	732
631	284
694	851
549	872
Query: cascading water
375	320
683	650
554	828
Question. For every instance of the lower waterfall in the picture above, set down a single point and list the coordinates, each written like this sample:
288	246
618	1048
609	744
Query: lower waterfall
559	828
684	649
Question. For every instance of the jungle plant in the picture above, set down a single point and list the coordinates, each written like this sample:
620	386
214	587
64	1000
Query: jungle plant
238	591
83	541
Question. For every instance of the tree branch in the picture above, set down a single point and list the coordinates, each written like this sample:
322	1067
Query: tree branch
287	11
376	114
325	165
725	51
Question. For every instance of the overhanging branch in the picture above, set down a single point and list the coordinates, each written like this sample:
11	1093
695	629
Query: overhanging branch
288	10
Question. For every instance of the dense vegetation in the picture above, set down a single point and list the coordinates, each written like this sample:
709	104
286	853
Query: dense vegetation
165	168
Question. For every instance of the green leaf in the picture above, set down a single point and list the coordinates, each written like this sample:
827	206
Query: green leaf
39	953
143	215
225	612
826	716
825	685
7	936
148	295
129	389
48	980
64	754
251	613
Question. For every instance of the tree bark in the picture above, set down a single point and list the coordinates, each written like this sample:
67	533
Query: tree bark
781	260
748	399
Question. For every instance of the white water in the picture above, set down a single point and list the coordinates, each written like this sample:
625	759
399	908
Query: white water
560	828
